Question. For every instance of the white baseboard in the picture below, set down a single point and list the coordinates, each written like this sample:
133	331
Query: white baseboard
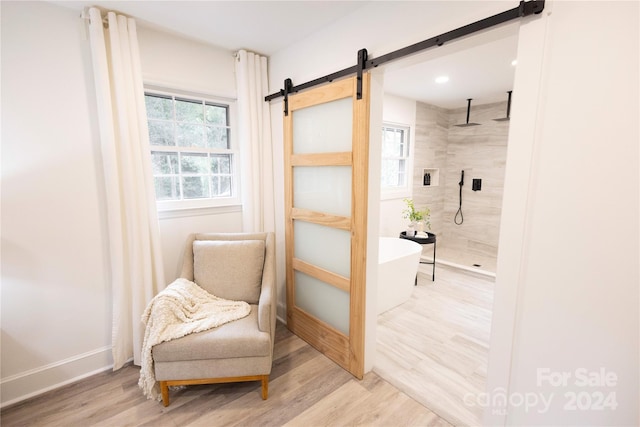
16	388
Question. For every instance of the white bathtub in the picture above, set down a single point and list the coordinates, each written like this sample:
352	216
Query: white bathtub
398	262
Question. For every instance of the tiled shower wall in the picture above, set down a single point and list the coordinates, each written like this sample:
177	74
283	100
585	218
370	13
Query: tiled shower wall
478	150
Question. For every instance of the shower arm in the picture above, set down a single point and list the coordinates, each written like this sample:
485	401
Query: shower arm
468	109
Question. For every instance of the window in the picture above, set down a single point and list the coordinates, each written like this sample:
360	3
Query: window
191	151
395	158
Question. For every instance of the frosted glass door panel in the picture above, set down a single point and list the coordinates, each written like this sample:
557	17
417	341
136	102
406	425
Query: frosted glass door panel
323	128
324	189
326	247
321	300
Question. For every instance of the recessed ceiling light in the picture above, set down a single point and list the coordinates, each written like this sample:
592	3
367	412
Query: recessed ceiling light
514	62
442	79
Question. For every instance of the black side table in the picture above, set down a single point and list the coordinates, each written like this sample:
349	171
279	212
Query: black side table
424	241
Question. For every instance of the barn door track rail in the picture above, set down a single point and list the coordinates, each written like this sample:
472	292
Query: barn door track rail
525	8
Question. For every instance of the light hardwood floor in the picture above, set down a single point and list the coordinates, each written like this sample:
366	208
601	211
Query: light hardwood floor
306	389
435	346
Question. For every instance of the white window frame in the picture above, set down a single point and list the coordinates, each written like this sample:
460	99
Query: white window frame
404	191
168	206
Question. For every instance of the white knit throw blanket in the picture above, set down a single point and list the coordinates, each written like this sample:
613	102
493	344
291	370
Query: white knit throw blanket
180	309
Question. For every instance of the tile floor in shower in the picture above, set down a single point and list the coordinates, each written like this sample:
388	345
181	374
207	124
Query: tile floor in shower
453	256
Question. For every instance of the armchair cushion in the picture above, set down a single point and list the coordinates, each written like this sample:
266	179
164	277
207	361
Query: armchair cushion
239	261
240	338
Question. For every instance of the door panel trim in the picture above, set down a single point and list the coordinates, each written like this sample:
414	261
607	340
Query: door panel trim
360	183
322	159
322	94
328	340
347	351
326	276
335	221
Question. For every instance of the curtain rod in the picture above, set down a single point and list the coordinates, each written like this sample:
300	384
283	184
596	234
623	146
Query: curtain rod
525	8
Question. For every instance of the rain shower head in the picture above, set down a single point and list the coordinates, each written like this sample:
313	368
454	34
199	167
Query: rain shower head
506	119
468	112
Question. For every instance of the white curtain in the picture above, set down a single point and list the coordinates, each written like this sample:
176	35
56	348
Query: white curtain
136	265
258	209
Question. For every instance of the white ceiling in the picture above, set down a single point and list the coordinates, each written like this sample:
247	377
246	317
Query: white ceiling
478	68
261	26
481	71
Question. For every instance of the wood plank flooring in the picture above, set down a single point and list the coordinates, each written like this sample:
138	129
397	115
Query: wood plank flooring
435	346
306	389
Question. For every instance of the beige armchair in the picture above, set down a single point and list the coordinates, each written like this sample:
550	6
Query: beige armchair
236	267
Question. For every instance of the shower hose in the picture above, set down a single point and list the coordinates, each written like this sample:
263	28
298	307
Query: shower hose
459	213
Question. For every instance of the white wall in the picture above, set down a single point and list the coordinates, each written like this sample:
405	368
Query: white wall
56	306
56	299
400	111
180	63
576	285
568	262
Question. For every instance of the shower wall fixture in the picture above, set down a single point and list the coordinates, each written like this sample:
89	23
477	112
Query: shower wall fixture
459	212
505	119
450	152
468	113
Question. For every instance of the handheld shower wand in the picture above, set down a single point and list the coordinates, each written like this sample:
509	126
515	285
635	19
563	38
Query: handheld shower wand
460	184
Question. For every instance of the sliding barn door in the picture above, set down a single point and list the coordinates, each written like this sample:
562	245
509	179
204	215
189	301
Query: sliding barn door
326	136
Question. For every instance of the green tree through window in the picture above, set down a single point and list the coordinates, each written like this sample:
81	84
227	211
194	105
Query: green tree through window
190	148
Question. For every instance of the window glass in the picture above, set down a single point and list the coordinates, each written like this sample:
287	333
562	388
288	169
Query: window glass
191	150
395	157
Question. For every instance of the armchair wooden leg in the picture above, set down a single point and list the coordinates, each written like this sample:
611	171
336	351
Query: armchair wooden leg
164	389
265	387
